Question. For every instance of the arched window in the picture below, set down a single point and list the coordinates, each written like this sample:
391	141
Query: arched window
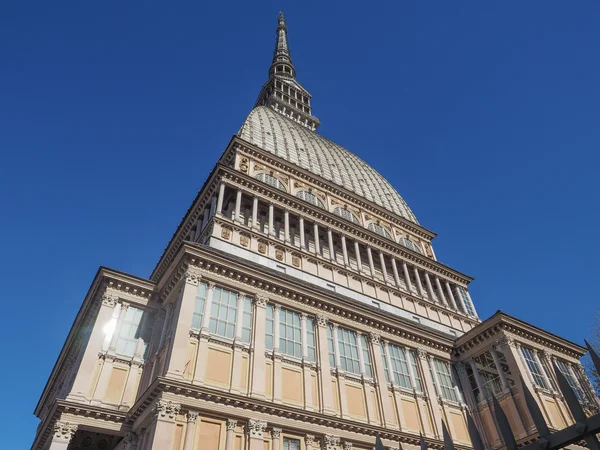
379	230
346	214
271	180
410	244
310	198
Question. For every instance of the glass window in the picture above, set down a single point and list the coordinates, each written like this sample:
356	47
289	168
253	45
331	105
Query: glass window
345	214
410	244
534	367
379	230
330	345
269	328
199	306
348	349
311	198
444	376
399	366
223	313
466	301
366	357
490	378
291	444
415	371
290	333
310	337
247	321
128	335
564	369
270	180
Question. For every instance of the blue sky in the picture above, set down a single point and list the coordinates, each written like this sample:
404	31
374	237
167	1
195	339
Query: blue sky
483	115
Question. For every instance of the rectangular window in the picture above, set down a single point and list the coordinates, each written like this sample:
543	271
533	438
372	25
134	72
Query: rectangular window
290	333
199	306
534	368
330	346
415	370
488	373
269	328
466	301
247	321
223	313
291	444
399	366
366	357
128	335
310	337
444	376
348	349
564	369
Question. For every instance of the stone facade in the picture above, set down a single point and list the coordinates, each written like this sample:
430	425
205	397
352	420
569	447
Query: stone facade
299	305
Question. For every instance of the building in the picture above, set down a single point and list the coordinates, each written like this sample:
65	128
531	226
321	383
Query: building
298	306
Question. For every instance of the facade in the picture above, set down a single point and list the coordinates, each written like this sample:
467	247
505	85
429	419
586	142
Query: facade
298	306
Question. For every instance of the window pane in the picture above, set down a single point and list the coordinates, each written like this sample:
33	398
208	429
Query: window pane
223	313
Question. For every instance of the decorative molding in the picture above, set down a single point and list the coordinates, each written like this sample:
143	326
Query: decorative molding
347	446
309	439
507	341
256	428
276	433
191	416
375	338
261	300
63	431
322	320
166	410
422	353
192	275
110	300
331	442
231	424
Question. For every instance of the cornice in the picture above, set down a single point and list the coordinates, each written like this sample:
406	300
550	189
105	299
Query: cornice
290	201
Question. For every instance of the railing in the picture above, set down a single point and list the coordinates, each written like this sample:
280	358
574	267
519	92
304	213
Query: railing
584	429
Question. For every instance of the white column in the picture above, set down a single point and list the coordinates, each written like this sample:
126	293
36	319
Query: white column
344	250
419	285
220	198
460	299
271	219
239	314
276	334
435	375
371	265
478	381
395	271
406	277
302	242
471	301
336	347
357	254
316	231
304	332
330	240
451	296
361	359
309	441
63	433
208	306
411	373
205	218
213	206
238	204
499	368
383	268
429	288
188	440
388	359
255	212
230	434
286	225
276	436
440	290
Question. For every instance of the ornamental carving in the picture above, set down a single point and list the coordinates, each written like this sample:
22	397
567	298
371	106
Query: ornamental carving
279	255
422	353
347	446
191	416
192	275
166	410
296	261
109	300
276	433
331	442
131	440
64	431
507	341
322	320
262	248
231	424
225	233
375	338
261	301
244	164
256	428
309	439
244	241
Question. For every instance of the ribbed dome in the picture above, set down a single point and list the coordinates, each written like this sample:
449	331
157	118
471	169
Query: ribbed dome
297	144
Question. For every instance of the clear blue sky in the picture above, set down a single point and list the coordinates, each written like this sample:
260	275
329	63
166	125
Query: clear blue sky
483	115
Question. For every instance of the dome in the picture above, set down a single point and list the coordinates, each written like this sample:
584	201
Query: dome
295	143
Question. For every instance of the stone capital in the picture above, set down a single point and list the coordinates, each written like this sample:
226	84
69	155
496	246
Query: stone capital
192	275
507	341
331	442
256	428
131	440
191	416
63	431
231	424
422	353
375	338
211	284
276	433
347	446
166	410
309	439
261	300
322	320
109	300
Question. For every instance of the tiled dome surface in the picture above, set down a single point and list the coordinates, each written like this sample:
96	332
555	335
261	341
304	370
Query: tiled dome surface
297	144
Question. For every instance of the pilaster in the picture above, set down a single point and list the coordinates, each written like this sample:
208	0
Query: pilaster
162	430
256	430
327	405
258	354
62	433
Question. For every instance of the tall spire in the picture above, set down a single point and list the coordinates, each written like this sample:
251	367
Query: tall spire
282	92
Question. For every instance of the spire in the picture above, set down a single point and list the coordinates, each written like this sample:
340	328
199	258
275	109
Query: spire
282	92
281	55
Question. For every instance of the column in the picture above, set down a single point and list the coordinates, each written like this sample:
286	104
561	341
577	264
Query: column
197	230
306	372
395	272
323	367
330	442
411	375
383	268
406	277
303	317
205	217
361	359
115	336
345	250
256	430
428	381
302	238
482	391
286	225
357	254
63	433
255	212
258	359
419	285
386	404
188	440
316	231
499	368
276	438
271	219
338	364
471	301
230	434
438	285
451	296
277	362
430	292
371	265
213	206
461	301
236	373
81	385
202	354
330	240
238	204
162	430
309	441
220	198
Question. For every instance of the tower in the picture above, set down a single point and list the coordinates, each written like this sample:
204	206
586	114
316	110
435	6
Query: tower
298	305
